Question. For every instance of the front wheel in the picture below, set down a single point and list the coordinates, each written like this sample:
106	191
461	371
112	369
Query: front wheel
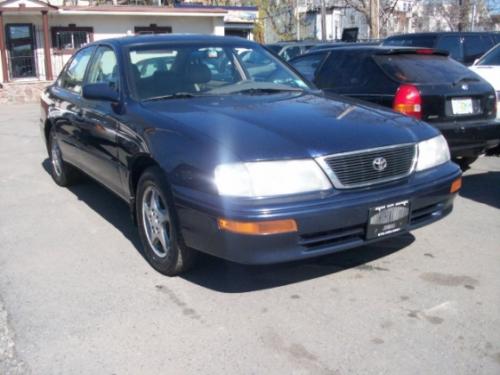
158	226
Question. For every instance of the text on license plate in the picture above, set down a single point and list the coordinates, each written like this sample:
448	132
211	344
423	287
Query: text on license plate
462	106
387	219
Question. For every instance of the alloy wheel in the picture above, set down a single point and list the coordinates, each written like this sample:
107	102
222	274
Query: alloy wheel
156	221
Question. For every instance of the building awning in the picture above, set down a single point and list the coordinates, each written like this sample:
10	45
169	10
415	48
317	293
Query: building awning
26	6
125	10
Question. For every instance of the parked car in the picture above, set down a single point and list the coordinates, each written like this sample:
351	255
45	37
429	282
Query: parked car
488	67
423	83
464	47
252	171
289	50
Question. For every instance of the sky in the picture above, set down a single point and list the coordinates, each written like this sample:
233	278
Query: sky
494	5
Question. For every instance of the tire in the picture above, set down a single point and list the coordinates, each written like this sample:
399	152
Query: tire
62	173
159	227
465	162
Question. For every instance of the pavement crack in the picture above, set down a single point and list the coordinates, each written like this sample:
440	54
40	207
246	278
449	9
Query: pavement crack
10	363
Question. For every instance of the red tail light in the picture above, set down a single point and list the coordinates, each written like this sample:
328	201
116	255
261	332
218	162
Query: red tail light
408	101
425	51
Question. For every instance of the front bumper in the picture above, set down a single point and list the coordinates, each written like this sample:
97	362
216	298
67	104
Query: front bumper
325	225
470	138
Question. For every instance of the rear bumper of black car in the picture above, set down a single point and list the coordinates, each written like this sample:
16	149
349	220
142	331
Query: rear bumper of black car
470	138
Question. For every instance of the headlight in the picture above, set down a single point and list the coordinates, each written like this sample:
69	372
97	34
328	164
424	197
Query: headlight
432	152
270	178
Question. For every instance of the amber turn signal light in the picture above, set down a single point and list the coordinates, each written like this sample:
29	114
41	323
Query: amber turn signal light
258	227
456	185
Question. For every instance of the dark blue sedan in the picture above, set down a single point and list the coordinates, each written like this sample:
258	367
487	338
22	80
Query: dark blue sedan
219	147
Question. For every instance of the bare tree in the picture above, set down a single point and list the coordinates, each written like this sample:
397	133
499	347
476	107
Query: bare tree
386	9
459	15
280	15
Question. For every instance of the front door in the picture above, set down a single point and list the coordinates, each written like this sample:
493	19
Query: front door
21	47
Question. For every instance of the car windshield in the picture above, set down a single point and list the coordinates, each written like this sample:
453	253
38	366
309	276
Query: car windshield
165	71
491	58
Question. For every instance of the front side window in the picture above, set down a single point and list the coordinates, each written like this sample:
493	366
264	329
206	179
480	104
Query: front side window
308	65
159	71
290	52
72	76
104	68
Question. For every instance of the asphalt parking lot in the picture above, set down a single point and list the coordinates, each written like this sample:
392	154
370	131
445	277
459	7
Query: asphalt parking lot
76	296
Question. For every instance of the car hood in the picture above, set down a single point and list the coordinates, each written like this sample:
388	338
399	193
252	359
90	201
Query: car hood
489	73
288	125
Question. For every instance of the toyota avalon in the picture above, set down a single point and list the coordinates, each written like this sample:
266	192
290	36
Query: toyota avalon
219	147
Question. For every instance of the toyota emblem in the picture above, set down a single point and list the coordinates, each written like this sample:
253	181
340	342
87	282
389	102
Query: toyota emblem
379	164
465	87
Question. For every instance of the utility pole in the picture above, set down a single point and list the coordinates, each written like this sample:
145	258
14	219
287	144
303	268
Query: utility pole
297	14
323	20
374	19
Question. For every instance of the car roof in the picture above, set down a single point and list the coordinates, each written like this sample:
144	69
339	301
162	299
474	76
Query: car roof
173	38
344	44
373	49
292	43
437	33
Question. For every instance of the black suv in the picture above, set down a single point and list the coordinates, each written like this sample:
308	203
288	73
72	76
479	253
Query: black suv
422	83
464	47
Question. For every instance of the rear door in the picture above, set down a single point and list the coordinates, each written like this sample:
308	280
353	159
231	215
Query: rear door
66	96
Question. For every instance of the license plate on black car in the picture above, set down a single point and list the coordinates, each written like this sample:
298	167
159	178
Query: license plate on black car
462	106
387	219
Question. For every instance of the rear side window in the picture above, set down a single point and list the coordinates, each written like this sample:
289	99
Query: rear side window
308	64
347	70
475	46
72	77
452	44
421	68
427	41
492	58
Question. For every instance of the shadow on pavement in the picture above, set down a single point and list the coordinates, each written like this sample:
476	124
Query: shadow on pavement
482	188
228	277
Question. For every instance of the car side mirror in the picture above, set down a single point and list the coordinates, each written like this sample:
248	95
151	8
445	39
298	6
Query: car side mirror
100	91
475	62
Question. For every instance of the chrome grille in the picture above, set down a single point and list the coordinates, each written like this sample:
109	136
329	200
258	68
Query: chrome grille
356	169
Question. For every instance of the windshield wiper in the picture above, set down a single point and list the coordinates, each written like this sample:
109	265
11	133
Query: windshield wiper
466	79
262	90
252	87
177	95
